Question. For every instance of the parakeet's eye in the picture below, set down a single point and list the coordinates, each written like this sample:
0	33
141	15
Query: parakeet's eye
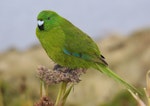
48	18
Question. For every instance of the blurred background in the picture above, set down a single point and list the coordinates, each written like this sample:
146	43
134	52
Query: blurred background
120	28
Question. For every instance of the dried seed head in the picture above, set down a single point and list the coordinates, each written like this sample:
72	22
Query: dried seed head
44	101
60	75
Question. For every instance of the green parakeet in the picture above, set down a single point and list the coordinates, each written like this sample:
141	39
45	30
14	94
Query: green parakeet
70	47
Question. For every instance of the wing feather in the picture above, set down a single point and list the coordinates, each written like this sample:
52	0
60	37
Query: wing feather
79	44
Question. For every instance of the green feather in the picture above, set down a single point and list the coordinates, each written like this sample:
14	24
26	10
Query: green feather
79	55
106	70
70	47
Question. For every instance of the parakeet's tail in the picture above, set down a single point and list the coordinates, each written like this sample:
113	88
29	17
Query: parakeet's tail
105	69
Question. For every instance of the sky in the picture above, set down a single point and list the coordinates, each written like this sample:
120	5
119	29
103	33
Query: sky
95	17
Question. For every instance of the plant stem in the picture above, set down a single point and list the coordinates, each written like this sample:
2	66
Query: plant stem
42	89
148	101
61	93
46	90
66	94
1	99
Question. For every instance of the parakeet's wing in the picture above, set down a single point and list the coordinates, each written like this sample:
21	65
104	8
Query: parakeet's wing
80	45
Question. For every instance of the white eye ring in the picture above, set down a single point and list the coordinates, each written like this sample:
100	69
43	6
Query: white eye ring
40	23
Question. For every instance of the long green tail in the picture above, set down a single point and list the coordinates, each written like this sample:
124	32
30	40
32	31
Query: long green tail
105	69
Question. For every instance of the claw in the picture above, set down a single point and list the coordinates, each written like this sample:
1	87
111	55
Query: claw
57	67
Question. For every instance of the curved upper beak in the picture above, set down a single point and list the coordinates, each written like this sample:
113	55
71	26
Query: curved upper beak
41	24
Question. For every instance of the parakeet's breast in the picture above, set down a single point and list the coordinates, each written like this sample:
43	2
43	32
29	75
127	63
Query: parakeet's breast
59	57
54	48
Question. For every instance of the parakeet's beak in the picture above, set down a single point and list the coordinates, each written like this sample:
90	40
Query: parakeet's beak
41	24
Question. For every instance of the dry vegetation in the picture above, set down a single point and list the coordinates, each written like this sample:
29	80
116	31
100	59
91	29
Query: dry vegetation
128	56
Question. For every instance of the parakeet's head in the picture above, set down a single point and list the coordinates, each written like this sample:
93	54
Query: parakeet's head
47	19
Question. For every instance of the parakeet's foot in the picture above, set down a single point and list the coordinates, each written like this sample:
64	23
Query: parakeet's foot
57	67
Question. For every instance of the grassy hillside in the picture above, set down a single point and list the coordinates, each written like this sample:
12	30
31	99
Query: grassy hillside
127	56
